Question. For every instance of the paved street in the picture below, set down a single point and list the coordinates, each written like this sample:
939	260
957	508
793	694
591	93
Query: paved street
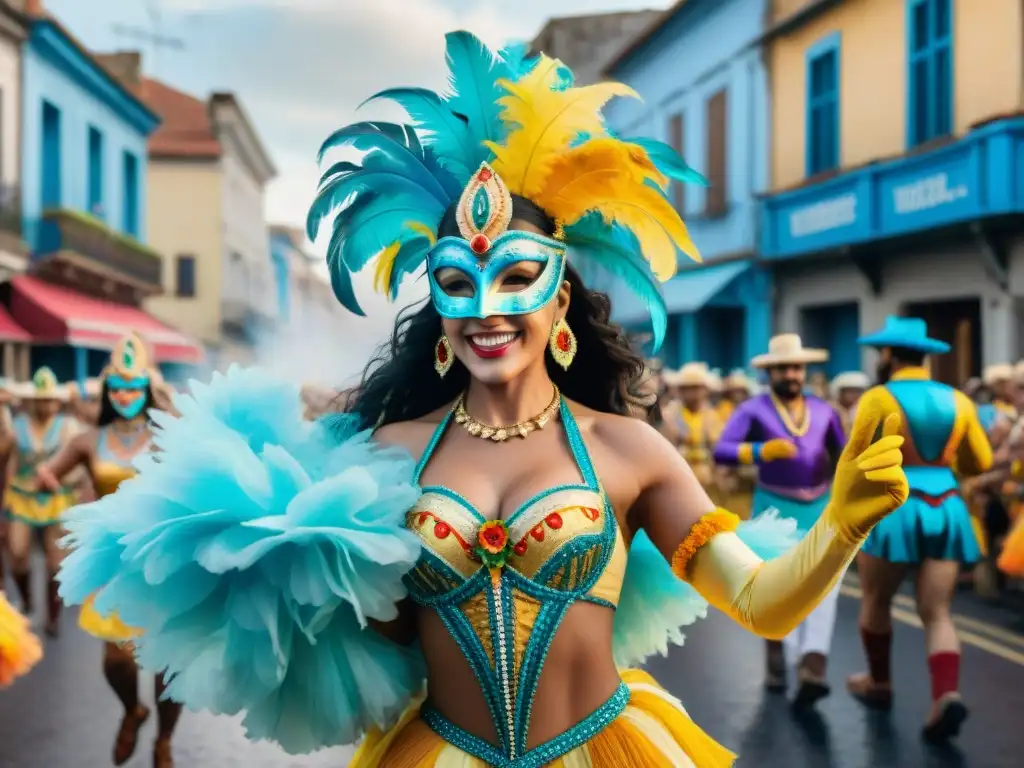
63	715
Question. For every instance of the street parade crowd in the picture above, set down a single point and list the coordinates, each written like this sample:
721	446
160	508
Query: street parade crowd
467	559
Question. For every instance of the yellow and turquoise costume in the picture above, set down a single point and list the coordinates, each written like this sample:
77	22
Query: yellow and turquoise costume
943	436
23	501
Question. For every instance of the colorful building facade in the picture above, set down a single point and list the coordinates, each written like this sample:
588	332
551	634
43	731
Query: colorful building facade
897	173
701	76
82	201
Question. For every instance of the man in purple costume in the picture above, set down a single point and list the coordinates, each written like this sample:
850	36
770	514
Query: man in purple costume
794	440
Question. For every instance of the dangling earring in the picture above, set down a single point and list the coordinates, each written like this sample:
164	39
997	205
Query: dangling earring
562	343
443	357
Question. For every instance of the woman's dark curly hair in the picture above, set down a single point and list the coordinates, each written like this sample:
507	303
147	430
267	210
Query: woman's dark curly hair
400	383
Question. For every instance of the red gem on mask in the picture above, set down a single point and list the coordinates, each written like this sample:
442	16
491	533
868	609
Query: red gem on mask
563	341
442	353
480	244
484	174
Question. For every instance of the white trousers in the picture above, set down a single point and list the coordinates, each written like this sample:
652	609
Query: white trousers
814	635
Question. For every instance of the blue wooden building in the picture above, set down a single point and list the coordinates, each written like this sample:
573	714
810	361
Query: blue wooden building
700	74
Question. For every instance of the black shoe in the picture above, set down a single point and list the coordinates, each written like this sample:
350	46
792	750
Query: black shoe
952	713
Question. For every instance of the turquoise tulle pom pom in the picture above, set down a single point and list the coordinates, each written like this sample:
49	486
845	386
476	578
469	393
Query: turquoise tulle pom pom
654	605
251	550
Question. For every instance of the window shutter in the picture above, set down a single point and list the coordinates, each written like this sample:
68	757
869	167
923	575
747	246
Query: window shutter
717	194
676	140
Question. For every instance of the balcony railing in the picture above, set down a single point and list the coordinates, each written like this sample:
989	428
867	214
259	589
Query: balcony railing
93	242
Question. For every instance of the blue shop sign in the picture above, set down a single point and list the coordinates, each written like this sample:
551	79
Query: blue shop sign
972	178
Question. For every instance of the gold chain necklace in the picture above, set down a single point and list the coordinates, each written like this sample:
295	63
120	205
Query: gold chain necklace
501	434
787	419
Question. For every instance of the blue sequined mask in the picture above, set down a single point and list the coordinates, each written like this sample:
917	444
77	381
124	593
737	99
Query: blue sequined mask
485	275
486	249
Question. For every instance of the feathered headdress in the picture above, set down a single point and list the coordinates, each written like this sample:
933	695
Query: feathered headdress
547	140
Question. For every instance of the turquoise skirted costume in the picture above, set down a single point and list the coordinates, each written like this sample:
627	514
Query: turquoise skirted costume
942	431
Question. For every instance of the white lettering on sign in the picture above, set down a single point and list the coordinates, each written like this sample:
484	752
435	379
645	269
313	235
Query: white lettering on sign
823	216
926	193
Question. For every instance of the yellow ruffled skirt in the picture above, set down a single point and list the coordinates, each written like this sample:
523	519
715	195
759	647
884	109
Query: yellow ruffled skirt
109	628
37	509
653	731
20	650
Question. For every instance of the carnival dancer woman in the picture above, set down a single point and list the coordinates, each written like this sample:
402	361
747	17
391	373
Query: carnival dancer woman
793	439
36	436
487	465
107	453
931	533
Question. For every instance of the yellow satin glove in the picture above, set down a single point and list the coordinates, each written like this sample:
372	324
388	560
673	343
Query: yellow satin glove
772	598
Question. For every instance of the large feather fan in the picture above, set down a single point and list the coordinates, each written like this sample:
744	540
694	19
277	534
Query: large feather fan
546	138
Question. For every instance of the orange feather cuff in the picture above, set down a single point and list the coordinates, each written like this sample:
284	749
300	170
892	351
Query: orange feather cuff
705	529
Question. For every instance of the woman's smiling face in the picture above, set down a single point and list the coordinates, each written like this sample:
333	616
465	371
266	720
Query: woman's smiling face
498	348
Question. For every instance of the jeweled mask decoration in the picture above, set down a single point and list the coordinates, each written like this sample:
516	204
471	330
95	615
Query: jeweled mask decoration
486	249
128	376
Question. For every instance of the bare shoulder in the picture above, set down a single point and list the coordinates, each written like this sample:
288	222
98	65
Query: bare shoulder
413	435
632	440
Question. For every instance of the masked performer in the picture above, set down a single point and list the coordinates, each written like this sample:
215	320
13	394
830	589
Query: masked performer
37	435
793	439
19	648
488	465
931	533
107	453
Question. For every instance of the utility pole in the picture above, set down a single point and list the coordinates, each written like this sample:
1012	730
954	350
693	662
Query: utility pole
152	36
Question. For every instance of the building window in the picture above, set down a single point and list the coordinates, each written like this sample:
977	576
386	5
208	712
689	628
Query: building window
715	202
51	180
823	106
130	217
95	172
185	277
676	140
930	96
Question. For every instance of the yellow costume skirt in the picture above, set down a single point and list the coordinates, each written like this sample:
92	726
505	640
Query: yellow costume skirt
653	731
37	509
19	648
109	628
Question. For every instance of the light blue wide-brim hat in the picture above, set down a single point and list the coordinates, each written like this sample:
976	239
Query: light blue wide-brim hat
905	332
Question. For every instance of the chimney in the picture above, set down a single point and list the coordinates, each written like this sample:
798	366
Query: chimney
33	8
126	66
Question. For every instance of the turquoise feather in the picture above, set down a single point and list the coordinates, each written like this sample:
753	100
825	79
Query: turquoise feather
251	554
474	73
445	133
668	161
655	605
616	252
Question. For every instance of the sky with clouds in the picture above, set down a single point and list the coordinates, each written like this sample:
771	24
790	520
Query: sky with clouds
301	67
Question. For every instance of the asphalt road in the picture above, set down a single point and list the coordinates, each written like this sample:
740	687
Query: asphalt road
63	715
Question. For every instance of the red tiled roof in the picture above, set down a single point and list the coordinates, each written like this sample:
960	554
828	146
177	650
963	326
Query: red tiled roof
185	129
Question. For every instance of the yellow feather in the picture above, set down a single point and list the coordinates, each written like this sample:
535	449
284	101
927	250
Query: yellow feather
385	265
546	123
423	231
607	177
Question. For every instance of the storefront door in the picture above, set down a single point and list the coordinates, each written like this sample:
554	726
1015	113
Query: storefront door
834	327
958	323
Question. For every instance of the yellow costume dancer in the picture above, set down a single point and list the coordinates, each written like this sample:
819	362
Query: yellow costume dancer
107	453
19	648
274	556
696	426
737	482
37	434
